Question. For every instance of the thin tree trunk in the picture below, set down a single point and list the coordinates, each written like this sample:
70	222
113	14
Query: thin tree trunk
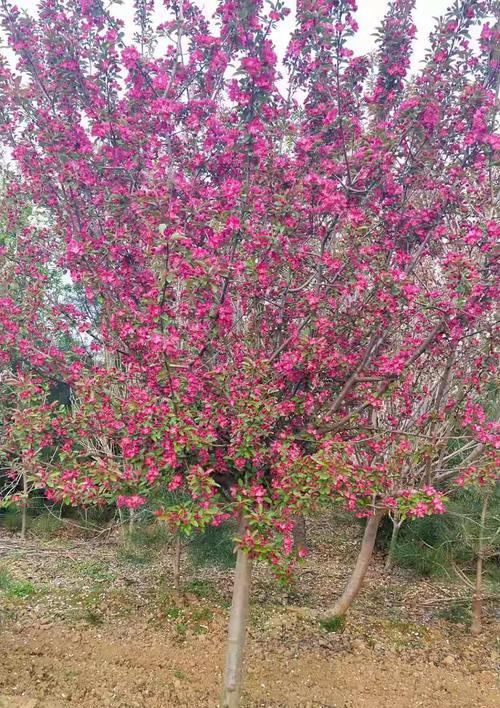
123	530
358	575
396	525
177	564
299	532
231	691
24	510
131	523
477	597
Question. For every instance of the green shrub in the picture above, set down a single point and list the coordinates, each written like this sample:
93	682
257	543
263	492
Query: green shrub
432	544
411	553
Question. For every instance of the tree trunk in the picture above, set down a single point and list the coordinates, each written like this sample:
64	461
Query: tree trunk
24	509
177	564
396	525
131	524
299	532
231	691
358	575
123	529
477	597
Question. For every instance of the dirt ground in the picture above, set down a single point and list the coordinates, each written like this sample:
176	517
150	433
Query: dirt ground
84	623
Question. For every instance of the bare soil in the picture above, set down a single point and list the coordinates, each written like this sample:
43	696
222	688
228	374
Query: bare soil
83	622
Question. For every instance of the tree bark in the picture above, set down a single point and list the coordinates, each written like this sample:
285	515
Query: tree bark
299	532
131	524
355	582
231	691
177	564
477	597
24	509
396	525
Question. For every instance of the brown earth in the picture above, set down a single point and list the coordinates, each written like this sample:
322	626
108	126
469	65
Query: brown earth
83	627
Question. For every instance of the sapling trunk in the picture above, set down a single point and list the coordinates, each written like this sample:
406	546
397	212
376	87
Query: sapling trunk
231	691
177	563
123	530
24	508
477	597
355	582
131	523
396	525
299	532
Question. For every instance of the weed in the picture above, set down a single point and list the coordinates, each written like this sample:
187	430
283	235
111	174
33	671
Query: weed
333	624
181	628
173	612
204	614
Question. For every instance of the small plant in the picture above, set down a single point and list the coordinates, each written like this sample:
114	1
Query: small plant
181	629
173	612
415	554
333	624
204	614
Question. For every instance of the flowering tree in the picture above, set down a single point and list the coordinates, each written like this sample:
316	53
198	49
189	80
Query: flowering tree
259	271
431	434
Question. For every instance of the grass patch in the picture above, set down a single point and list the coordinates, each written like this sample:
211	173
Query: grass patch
86	606
333	624
181	629
202	589
95	571
173	612
46	525
204	614
149	536
135	556
455	612
16	589
421	558
11	520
